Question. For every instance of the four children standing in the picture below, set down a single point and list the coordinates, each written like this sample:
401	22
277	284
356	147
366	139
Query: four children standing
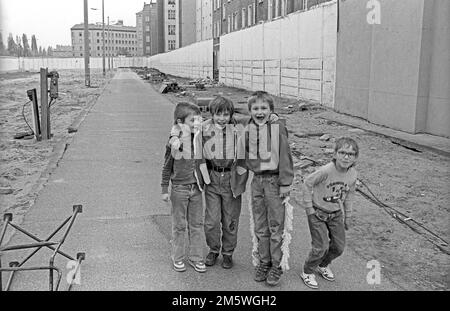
215	158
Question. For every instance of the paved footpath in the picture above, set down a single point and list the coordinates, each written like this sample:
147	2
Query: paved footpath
113	168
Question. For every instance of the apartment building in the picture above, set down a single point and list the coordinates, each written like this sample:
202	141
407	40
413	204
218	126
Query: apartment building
147	24
233	15
140	33
62	51
119	40
171	26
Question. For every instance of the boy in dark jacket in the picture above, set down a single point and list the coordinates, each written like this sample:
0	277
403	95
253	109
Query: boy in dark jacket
265	150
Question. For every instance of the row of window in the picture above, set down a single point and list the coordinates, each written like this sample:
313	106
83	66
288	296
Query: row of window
109	41
113	34
98	54
109	48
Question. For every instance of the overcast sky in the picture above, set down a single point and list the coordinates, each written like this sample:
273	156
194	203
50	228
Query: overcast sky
51	20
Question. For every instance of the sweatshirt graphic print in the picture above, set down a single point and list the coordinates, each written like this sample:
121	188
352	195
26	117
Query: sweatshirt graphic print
328	188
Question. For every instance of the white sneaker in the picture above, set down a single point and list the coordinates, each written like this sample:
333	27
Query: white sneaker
179	266
326	273
309	280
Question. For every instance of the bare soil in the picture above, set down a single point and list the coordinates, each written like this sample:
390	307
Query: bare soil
414	183
24	162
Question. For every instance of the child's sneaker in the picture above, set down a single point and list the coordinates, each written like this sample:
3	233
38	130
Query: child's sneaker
309	280
179	266
326	273
261	272
274	275
199	266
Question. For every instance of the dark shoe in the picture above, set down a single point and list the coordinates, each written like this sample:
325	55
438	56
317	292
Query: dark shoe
261	272
227	262
211	259
273	278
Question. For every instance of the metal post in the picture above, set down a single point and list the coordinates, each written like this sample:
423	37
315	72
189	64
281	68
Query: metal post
103	37
45	111
87	75
109	47
35	110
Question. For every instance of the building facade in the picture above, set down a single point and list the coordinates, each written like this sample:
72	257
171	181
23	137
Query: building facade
119	40
140	33
233	15
171	25
204	19
187	29
63	51
147	29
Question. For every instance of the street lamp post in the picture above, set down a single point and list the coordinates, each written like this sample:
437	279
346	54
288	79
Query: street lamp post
87	78
103	36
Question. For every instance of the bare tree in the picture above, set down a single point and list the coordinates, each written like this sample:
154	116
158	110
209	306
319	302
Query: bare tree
12	46
26	46
2	45
34	48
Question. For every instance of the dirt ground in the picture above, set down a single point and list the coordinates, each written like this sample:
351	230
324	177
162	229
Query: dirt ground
415	183
24	161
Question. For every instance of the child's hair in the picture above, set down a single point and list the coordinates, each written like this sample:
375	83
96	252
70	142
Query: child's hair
184	109
343	142
221	105
262	96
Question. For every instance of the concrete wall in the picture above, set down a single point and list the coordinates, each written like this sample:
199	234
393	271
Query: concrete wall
438	110
388	73
293	56
192	61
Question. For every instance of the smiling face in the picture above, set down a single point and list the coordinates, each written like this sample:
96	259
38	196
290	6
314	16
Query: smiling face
260	112
221	119
345	157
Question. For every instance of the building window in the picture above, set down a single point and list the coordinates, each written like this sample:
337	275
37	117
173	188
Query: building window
171	2
171	45
243	25
224	14
171	30
147	18
171	14
235	20
229	23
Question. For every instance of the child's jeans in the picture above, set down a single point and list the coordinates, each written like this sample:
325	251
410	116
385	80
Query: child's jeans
268	215
221	208
187	211
327	239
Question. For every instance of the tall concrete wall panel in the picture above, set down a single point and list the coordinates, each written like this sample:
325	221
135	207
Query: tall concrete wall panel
293	56
438	113
192	61
395	73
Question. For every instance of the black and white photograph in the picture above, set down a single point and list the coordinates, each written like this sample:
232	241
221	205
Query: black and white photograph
225	153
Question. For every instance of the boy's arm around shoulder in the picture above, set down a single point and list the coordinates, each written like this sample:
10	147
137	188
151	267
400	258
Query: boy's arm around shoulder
166	171
286	164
